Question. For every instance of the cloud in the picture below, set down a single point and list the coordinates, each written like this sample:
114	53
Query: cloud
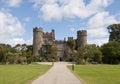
15	41
13	3
59	9
10	27
48	13
27	19
98	41
97	27
72	29
101	19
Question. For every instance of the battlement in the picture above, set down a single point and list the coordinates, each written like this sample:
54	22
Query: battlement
59	41
36	29
70	38
82	33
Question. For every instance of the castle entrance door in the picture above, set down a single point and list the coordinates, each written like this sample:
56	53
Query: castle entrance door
59	58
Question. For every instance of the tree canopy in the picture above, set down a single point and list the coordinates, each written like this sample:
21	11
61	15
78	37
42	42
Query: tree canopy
114	31
111	52
87	54
71	43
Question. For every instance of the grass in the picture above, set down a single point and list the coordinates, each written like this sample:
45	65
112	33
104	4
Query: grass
98	74
21	74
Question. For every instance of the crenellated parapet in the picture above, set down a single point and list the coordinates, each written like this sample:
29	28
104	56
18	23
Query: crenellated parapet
59	41
36	29
70	38
82	33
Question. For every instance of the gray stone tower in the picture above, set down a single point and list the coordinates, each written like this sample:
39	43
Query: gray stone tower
81	38
53	34
37	40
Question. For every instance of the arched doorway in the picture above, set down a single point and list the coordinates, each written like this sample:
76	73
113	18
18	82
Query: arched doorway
60	59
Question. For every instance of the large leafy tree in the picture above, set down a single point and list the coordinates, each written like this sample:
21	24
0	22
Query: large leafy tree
89	53
21	53
25	52
114	31
111	52
71	43
5	52
1	53
50	53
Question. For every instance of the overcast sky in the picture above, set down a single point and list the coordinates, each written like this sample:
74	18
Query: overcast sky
19	17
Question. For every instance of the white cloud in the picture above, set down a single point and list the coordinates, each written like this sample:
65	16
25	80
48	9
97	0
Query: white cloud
58	9
97	32
101	19
98	41
15	41
48	13
27	19
10	28
72	29
97	27
13	3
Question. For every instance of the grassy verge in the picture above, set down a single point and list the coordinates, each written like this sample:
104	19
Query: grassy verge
98	74
21	74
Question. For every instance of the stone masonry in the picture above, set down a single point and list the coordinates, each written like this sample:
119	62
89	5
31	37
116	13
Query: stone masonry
41	38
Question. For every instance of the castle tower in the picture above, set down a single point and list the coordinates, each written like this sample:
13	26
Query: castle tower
53	34
81	38
37	40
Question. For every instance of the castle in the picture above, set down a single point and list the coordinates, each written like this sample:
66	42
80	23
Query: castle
41	38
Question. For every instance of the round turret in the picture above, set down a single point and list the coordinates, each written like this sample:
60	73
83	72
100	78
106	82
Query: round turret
81	38
37	40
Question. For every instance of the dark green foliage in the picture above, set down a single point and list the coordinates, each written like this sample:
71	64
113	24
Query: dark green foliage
5	53
15	55
73	57
89	54
49	54
114	31
71	43
111	52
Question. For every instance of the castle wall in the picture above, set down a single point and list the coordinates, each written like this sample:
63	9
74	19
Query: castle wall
48	37
61	46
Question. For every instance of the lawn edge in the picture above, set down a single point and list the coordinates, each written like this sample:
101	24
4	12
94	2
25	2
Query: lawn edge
73	72
30	81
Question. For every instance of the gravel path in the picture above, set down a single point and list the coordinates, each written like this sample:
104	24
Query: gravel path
58	74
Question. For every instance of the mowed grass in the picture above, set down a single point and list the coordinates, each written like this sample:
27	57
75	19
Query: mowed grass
21	74
98	74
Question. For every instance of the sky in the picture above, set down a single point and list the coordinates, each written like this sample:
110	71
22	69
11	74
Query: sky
19	17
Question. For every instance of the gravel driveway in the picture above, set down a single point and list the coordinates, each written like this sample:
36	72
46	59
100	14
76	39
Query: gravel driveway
58	74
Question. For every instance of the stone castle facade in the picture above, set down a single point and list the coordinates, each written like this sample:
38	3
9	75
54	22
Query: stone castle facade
41	38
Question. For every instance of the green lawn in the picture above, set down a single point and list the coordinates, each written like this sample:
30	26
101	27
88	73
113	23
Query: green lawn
98	74
21	74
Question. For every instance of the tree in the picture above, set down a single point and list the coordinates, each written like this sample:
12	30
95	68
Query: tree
1	53
48	53
114	31
71	43
111	52
5	53
25	52
89	53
